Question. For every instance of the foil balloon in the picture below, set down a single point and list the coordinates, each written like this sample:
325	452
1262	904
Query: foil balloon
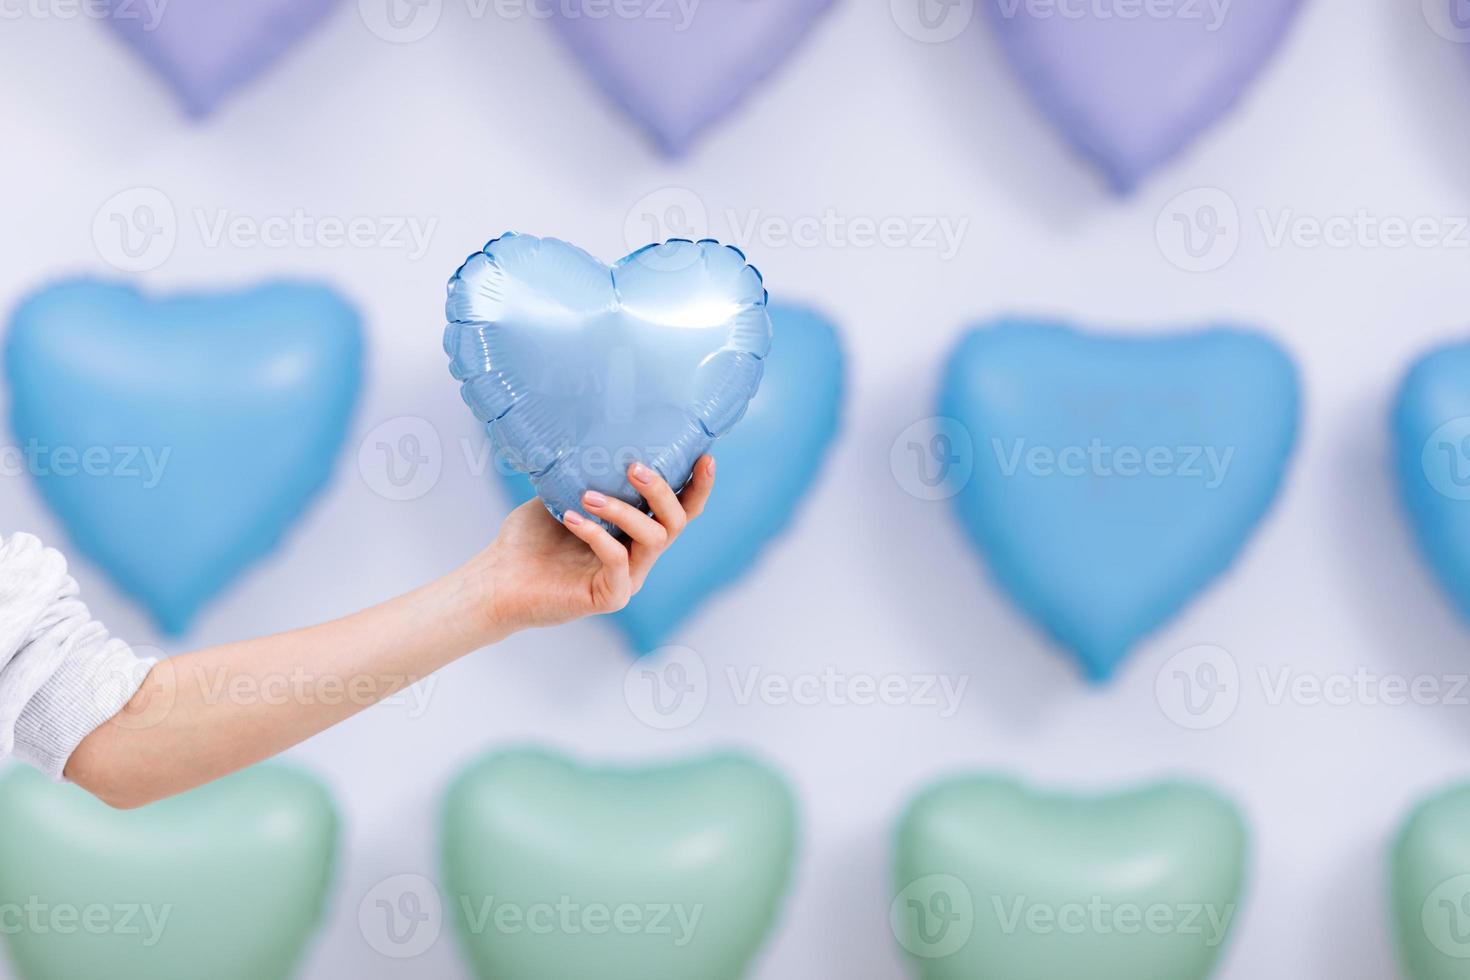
1431	432
229	881
1430	873
1132	91
578	370
994	879
1113	478
677	66
706	845
178	438
767	466
205	49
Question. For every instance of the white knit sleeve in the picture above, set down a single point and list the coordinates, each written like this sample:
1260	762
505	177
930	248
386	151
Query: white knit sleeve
61	676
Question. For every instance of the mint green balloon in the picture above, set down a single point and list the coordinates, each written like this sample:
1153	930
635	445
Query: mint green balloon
998	882
227	882
1431	887
558	872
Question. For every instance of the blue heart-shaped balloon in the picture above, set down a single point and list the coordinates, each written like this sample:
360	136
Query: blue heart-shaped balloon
1114	477
1431	431
766	467
578	370
178	438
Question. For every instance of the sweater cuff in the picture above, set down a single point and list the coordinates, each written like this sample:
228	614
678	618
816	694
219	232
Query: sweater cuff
82	695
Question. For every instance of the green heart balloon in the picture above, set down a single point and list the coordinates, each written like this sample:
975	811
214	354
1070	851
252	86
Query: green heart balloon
559	872
1431	887
997	881
226	882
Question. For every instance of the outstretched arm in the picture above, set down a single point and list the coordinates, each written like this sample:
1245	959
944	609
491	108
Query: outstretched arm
203	715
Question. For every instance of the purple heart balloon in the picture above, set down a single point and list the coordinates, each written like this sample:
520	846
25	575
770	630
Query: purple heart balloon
676	66
1131	82
208	48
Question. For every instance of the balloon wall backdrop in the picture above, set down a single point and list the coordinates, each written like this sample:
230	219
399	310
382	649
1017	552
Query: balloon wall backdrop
1122	486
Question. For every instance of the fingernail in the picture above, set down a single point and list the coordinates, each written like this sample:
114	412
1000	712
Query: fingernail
710	466
594	499
572	517
642	473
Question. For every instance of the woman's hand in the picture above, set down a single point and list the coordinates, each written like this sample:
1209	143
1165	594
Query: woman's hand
539	572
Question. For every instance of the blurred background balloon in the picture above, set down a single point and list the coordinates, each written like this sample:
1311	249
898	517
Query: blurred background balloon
677	66
1116	477
1431	432
1131	86
206	49
178	438
996	879
665	872
235	875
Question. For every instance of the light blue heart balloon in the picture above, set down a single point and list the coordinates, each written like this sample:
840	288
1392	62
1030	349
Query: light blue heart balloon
766	467
1113	478
178	438
577	370
1431	431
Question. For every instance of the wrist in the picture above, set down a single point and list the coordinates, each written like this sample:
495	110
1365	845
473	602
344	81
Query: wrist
471	594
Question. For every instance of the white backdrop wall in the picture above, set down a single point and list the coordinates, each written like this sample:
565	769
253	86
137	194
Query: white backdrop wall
486	125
